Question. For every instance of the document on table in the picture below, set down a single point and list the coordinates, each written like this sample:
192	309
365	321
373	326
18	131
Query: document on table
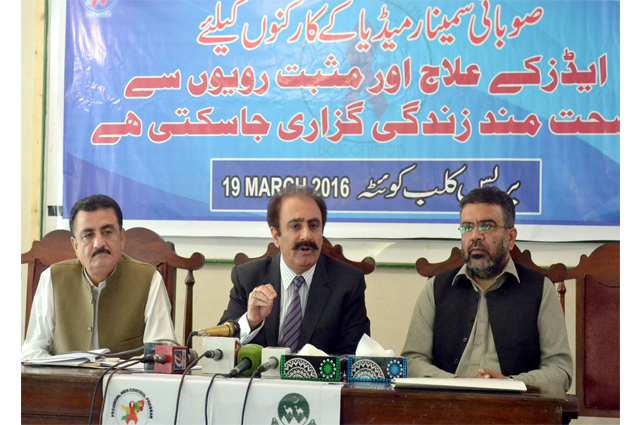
460	383
72	358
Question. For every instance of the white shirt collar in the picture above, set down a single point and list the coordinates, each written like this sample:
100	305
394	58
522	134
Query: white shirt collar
287	275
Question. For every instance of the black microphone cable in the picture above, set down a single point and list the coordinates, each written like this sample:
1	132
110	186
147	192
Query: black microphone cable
146	359
95	390
191	335
208	354
246	395
271	363
135	350
206	400
106	387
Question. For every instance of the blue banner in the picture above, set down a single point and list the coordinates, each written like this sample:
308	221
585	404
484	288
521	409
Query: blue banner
197	111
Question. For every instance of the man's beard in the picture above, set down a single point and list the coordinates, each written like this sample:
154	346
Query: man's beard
490	268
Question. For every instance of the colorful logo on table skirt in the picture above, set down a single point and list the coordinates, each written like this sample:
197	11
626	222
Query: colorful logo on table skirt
99	6
131	407
293	409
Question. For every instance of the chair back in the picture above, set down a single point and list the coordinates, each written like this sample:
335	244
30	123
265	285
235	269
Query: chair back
598	331
556	272
367	265
54	247
140	243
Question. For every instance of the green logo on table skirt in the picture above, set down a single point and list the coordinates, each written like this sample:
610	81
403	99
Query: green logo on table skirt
293	410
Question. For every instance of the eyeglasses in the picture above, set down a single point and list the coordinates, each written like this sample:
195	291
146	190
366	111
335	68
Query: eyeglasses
484	227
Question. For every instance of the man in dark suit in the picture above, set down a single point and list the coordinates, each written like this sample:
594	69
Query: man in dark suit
300	295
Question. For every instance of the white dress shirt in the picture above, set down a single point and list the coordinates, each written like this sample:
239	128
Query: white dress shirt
39	339
286	279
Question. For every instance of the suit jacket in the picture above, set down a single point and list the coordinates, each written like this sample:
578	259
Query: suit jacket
335	317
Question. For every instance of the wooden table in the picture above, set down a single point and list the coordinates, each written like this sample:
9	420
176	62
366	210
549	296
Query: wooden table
360	405
60	395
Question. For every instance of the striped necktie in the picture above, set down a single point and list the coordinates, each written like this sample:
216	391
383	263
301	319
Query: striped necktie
291	327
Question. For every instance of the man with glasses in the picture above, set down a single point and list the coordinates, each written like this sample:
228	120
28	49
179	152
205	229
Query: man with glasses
491	318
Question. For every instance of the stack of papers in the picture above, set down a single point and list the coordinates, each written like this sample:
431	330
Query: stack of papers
73	358
460	383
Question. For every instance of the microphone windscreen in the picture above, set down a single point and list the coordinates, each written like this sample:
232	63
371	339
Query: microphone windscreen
252	352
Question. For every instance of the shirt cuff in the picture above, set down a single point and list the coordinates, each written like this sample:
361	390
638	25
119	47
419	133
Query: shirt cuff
246	335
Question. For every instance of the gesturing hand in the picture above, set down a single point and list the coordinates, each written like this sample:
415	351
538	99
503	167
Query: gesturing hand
260	304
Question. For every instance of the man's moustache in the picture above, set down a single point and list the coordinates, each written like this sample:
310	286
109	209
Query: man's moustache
101	251
310	244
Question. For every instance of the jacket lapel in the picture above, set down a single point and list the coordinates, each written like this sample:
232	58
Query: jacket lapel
272	322
318	297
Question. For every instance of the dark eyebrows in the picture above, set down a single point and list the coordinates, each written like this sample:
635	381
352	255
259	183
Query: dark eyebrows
489	220
301	220
295	220
88	230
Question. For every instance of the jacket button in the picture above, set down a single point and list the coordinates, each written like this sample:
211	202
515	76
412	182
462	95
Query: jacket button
456	361
89	328
464	339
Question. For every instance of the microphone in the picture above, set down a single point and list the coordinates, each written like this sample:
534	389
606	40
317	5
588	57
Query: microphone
151	358
213	354
269	353
228	350
176	359
230	328
150	350
248	360
272	363
193	355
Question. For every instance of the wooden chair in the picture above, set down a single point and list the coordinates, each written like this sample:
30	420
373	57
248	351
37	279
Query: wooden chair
598	331
556	273
53	248
140	243
367	265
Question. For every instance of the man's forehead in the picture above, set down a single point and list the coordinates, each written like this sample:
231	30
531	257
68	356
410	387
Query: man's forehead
91	228
481	212
99	218
295	204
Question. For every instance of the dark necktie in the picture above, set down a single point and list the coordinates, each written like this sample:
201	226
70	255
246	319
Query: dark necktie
293	320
